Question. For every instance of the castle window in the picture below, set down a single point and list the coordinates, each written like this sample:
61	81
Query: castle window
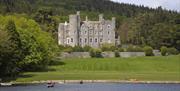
96	40
91	40
85	40
71	39
108	32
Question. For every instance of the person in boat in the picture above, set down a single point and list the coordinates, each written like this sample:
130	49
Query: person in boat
50	84
81	82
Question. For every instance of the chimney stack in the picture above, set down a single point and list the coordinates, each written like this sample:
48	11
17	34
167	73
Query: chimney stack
86	18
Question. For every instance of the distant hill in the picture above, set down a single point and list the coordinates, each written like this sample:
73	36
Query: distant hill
68	6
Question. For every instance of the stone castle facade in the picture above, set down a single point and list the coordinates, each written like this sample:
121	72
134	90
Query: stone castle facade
90	33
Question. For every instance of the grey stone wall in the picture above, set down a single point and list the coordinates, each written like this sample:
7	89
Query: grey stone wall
108	54
157	53
104	54
132	54
75	55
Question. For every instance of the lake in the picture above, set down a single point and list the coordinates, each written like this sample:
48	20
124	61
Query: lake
95	87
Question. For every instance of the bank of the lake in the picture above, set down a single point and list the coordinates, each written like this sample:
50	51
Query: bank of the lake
123	69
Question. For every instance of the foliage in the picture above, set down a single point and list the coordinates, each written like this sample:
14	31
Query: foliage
8	60
87	48
65	48
47	21
78	49
168	51
116	53
95	53
74	49
134	49
108	47
11	51
155	29
148	51
172	51
164	51
121	49
30	48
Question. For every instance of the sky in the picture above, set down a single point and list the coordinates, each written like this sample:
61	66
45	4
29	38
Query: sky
166	4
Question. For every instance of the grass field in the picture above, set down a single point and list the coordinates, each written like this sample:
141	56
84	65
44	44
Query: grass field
140	68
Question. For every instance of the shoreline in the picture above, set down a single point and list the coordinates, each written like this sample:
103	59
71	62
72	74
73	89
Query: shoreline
133	81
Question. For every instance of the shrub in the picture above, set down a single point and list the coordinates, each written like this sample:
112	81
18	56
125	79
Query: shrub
134	49
87	48
148	51
164	50
68	49
172	51
96	53
139	49
120	49
116	53
108	47
78	49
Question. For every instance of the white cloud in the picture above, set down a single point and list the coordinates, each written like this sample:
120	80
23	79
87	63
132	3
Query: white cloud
167	4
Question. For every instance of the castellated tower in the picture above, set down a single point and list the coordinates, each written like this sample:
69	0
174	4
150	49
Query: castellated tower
87	33
74	27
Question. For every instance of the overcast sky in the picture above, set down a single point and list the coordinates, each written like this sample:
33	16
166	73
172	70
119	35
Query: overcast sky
168	4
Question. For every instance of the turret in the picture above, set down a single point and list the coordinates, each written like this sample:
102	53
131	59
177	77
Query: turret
86	18
114	22
74	21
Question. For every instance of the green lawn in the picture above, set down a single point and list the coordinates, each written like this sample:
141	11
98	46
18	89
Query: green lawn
140	68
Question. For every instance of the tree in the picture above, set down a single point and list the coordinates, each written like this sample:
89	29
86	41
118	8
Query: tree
148	51
6	65
164	51
10	50
31	49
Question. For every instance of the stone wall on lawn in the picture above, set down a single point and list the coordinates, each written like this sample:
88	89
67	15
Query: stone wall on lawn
104	54
75	55
131	54
108	54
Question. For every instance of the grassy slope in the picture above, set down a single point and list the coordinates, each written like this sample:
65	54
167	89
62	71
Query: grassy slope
141	68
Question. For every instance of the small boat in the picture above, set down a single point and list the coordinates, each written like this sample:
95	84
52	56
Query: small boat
50	84
81	82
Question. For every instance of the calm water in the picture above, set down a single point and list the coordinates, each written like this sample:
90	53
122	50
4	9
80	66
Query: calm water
96	87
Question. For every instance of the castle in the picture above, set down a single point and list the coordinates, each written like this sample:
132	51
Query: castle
90	33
